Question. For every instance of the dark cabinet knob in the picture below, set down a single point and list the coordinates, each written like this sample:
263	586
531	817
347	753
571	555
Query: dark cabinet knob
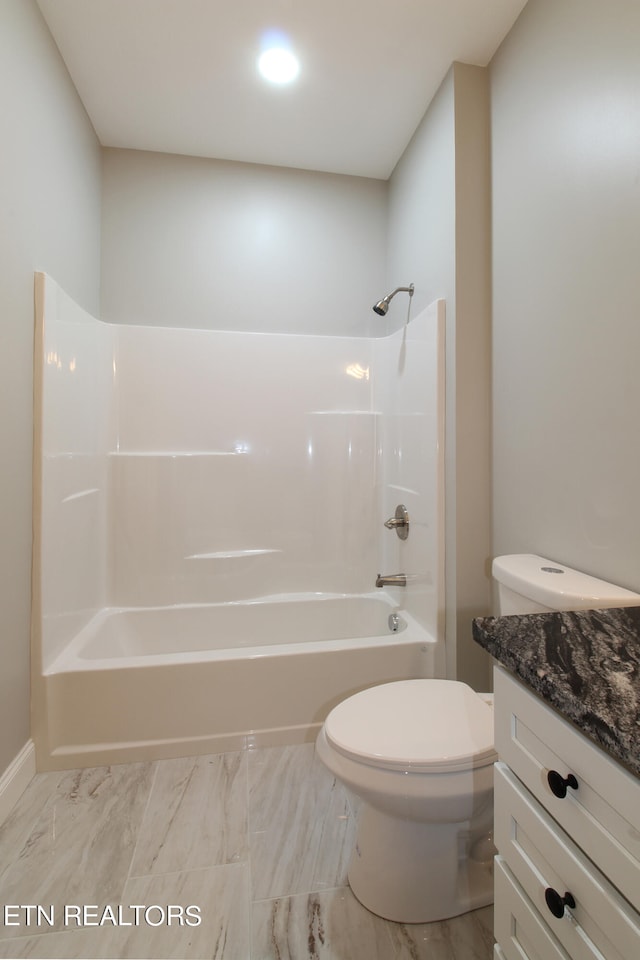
559	784
556	903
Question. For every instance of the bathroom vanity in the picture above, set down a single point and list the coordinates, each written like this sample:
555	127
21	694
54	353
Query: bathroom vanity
567	785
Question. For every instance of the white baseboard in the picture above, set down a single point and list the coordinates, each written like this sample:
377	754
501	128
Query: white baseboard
16	779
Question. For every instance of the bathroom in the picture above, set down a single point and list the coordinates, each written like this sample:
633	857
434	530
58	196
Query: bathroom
541	382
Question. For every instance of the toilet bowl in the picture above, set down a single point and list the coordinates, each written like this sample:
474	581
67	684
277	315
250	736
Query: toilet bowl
419	754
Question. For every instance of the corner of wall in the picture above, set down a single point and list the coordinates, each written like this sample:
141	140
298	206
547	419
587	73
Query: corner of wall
472	366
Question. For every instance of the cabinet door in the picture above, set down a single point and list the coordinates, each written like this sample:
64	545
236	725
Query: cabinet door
518	929
603	813
596	922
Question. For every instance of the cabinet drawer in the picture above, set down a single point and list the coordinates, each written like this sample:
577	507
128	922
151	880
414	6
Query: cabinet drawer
603	813
540	855
519	931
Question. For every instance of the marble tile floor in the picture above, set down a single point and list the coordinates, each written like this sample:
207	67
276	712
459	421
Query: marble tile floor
258	841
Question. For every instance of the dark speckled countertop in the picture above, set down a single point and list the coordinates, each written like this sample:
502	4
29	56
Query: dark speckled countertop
584	664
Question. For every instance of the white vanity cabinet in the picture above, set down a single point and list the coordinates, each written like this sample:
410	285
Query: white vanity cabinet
567	830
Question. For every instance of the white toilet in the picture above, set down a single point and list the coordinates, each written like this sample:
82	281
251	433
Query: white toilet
419	754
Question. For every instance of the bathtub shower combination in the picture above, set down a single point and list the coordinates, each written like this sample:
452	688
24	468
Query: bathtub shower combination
209	514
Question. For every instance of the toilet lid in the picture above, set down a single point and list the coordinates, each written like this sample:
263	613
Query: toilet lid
424	725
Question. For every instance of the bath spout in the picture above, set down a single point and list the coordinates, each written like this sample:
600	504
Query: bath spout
393	580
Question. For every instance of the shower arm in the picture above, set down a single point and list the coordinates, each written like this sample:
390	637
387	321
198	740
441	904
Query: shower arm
408	290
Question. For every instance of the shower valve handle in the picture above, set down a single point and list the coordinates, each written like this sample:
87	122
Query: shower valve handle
399	522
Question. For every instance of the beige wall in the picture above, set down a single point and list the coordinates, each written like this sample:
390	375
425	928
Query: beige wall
50	216
566	283
439	240
239	246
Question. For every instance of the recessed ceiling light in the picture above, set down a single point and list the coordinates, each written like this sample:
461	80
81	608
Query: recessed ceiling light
278	65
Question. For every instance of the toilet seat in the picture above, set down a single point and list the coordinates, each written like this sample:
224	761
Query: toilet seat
425	726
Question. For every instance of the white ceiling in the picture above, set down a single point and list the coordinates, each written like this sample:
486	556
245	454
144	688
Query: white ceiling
179	76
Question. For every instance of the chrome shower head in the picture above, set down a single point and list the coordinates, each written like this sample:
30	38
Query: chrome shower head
382	306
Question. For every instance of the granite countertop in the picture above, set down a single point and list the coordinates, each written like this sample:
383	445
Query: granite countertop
585	664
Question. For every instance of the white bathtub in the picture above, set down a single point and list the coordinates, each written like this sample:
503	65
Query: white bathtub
155	682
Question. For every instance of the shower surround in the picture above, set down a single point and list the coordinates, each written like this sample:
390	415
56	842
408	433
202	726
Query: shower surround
208	526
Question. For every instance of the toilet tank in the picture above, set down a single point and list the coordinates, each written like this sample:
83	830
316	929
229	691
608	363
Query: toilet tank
531	584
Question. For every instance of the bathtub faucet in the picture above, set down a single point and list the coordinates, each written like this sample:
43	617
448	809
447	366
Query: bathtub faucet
393	580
